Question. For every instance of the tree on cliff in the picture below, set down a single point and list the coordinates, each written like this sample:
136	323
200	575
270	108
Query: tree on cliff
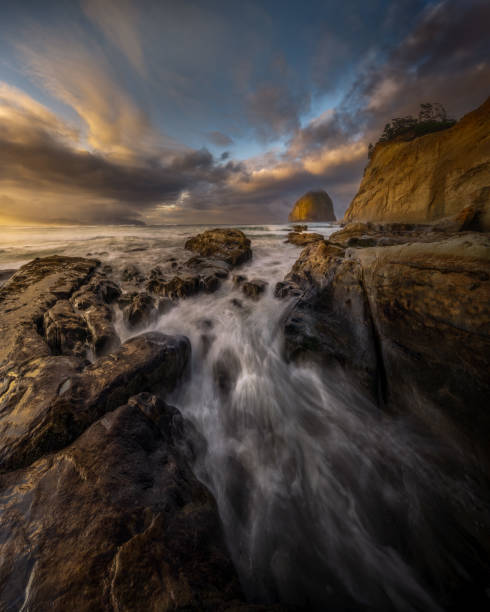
432	117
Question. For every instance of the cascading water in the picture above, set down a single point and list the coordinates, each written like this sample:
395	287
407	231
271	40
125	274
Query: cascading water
327	502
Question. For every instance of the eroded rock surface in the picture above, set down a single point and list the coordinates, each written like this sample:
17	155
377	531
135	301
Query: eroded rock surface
116	521
254	288
229	245
429	178
49	393
100	509
408	322
219	251
303	238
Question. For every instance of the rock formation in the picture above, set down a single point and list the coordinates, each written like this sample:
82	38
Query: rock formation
313	206
404	314
303	238
219	250
229	245
429	178
100	509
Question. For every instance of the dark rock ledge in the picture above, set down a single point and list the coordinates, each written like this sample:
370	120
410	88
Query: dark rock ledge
99	507
403	312
218	251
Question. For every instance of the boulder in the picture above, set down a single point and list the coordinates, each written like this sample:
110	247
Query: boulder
92	300
184	280
115	521
254	288
302	238
66	332
28	295
48	401
175	287
313	206
229	245
286	289
140	311
131	273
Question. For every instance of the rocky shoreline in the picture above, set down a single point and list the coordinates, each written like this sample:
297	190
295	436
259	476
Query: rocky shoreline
100	506
404	312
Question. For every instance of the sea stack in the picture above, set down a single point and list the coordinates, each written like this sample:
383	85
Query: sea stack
313	206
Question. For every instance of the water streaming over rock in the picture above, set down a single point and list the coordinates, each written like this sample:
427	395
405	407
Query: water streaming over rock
327	502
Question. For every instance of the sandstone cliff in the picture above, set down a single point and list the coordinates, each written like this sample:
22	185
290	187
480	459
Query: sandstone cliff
313	206
431	177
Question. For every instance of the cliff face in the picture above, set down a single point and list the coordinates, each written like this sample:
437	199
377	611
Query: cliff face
313	206
431	177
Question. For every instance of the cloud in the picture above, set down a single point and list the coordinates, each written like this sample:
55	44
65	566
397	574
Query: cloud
275	111
105	155
219	139
47	174
119	21
75	69
445	58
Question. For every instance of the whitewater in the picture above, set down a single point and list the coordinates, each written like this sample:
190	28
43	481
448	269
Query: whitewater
324	498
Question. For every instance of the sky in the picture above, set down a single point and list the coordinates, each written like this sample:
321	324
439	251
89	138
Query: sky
216	111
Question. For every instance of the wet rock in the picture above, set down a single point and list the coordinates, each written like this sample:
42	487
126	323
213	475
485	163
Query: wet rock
140	310
109	291
226	370
117	520
50	414
175	287
254	288
229	245
407	323
126	298
238	279
54	398
103	335
361	235
209	283
25	298
208	266
5	274
300	228
302	239
91	301
195	275
131	273
66	332
164	305
286	289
